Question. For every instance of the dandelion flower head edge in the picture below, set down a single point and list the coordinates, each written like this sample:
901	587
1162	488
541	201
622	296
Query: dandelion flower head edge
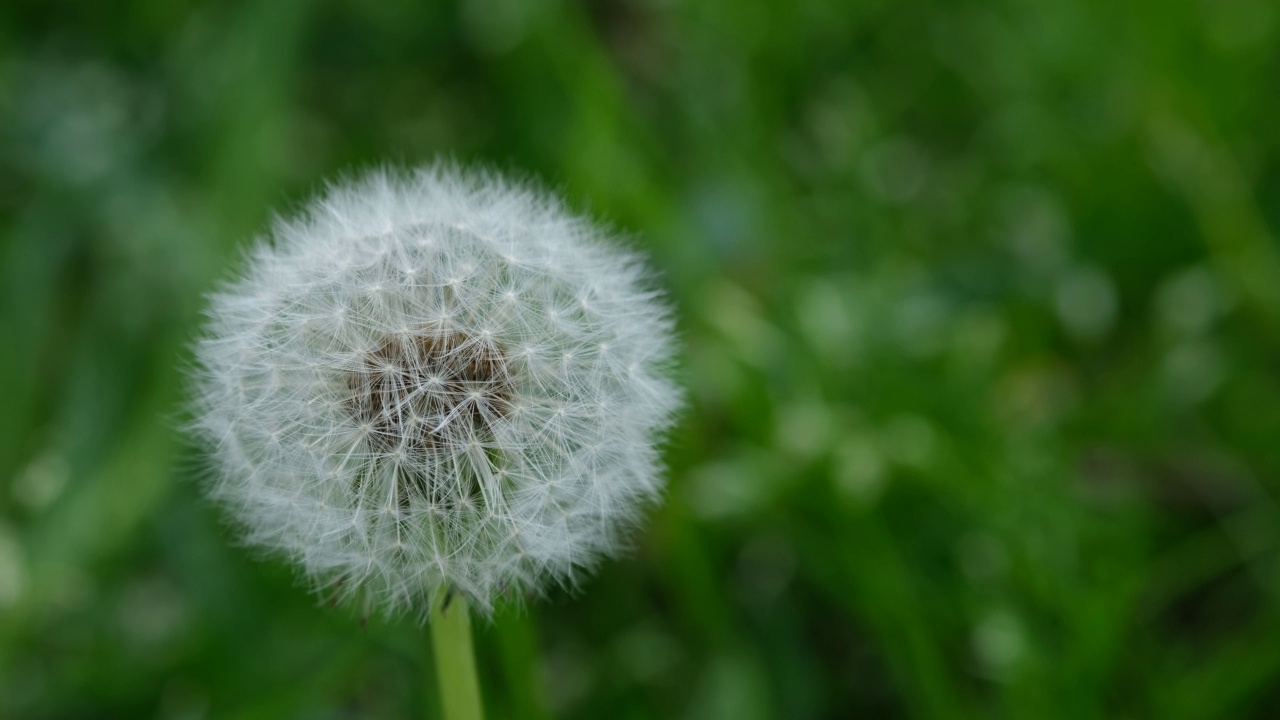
432	380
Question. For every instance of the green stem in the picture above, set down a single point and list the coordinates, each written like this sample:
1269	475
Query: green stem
455	659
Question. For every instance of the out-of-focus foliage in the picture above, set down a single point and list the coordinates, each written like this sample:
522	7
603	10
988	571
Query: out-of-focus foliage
981	305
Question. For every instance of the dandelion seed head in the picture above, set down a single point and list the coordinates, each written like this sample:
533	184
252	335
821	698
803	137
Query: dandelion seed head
435	379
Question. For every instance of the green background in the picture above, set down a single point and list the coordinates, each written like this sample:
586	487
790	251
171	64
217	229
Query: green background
980	305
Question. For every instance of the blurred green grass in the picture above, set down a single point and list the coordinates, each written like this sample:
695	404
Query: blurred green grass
981	306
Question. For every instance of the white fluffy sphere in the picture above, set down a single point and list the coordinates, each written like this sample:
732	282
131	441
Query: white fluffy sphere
435	380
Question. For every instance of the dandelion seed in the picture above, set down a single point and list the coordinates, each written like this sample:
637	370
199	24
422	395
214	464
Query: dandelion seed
402	391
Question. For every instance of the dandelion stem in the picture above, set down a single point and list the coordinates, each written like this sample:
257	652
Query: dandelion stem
455	658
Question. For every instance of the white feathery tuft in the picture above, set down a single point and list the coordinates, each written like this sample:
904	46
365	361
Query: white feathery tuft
436	380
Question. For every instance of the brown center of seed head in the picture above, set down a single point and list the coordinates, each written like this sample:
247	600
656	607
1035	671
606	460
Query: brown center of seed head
415	394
